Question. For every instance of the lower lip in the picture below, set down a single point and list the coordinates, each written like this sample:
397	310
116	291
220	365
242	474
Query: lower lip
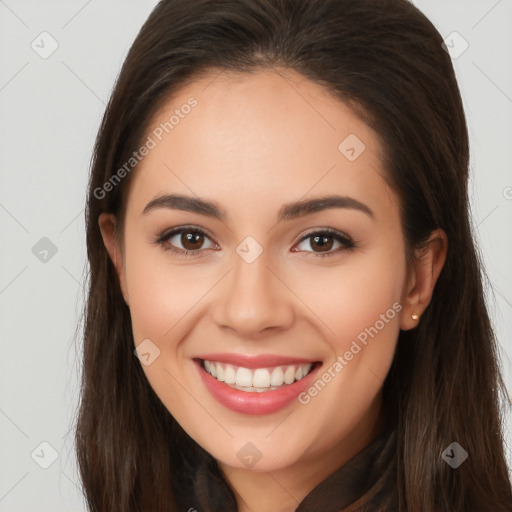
248	402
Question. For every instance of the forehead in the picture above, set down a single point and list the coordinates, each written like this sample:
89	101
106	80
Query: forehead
251	138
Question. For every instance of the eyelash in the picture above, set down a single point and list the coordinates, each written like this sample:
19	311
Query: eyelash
340	237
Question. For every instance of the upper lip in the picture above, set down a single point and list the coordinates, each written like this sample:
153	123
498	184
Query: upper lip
259	361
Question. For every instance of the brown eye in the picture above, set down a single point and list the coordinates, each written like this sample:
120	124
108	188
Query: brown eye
322	242
185	241
191	241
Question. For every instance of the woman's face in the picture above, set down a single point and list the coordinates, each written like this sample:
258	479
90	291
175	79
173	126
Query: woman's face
266	294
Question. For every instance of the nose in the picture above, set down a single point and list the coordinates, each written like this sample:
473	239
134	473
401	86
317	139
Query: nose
254	299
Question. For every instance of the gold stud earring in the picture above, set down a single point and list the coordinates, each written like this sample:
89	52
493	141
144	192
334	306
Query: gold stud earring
414	317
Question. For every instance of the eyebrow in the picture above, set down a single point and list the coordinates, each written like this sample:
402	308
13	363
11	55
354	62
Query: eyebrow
287	212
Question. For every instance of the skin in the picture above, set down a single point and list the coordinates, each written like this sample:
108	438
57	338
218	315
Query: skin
254	142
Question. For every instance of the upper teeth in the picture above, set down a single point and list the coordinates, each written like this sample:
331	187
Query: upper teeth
256	378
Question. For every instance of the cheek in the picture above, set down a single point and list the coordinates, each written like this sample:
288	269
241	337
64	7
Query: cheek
161	294
353	297
164	300
359	305
365	319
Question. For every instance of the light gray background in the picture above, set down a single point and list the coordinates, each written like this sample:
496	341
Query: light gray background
50	110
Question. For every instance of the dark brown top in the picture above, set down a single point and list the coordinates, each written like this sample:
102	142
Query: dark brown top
363	484
360	485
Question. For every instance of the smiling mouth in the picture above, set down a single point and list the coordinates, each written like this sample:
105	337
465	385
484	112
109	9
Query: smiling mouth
257	379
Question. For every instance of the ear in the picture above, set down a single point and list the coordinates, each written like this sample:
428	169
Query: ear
427	265
108	223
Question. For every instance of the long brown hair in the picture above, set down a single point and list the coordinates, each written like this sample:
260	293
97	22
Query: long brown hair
385	59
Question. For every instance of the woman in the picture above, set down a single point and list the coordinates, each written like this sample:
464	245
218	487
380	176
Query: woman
285	308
